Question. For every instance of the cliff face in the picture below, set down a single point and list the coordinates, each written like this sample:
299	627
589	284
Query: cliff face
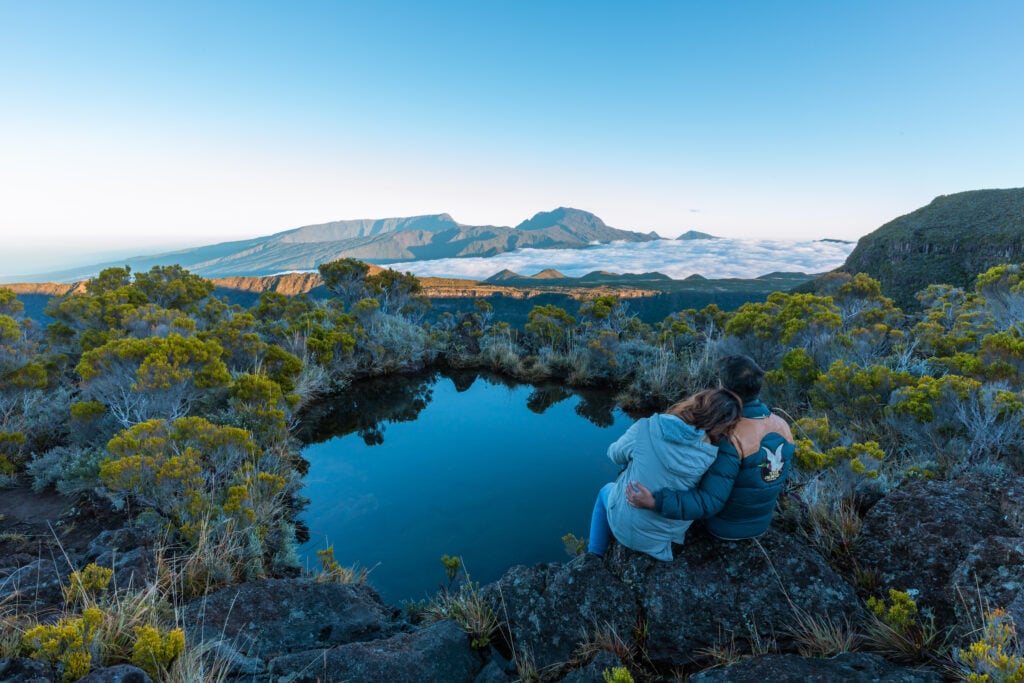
949	241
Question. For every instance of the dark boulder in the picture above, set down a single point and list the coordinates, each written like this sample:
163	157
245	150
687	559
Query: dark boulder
273	617
497	670
128	551
135	568
742	592
439	652
122	673
991	576
1011	502
25	670
221	657
35	586
594	670
915	537
849	666
551	609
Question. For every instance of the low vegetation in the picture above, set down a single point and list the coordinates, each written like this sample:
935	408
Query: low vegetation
182	410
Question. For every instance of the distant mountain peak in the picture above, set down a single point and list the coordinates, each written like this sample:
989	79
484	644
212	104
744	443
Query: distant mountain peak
563	216
694	235
503	275
547	274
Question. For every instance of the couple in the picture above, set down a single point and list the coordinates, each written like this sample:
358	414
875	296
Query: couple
721	456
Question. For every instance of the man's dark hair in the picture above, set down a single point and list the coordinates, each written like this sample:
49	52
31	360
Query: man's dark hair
741	375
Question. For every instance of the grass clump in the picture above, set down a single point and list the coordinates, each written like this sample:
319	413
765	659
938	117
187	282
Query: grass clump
465	604
332	572
896	628
574	546
618	674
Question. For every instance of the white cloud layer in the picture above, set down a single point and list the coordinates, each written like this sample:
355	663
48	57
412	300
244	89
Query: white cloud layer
721	258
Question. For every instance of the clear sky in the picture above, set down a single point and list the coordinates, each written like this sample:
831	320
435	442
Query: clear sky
130	125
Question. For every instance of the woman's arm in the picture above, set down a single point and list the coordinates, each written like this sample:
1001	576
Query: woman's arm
706	500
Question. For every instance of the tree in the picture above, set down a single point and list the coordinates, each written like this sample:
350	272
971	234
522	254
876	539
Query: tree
346	279
398	293
784	320
9	303
608	313
1002	288
548	326
156	377
173	287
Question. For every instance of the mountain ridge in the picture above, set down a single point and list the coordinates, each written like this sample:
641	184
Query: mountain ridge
381	240
948	241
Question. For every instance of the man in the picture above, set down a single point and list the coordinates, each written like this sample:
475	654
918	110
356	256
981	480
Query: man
736	497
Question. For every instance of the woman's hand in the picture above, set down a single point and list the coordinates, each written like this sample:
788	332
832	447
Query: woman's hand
639	496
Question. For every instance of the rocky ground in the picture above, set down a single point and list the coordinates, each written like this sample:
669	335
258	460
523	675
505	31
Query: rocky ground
957	546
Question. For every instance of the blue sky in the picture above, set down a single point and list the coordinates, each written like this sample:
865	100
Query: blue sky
135	125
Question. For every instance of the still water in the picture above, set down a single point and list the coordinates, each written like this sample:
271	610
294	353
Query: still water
405	471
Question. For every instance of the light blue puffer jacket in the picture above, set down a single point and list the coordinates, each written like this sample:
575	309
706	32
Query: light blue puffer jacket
662	452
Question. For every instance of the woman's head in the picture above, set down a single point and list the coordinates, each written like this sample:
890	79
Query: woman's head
716	411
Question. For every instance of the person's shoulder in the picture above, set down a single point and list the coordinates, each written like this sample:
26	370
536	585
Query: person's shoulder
777	424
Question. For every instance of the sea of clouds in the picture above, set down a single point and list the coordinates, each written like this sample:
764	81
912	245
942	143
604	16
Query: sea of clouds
718	258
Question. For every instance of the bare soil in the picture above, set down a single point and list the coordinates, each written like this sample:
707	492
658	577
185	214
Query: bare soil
48	524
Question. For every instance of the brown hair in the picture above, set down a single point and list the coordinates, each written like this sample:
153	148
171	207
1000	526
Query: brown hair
716	411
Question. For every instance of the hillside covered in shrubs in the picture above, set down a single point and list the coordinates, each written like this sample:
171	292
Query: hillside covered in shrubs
149	394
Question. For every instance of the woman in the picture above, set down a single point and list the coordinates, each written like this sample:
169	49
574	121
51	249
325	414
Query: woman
671	450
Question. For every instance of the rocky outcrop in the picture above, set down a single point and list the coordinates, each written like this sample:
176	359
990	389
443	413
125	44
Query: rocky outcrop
24	670
990	576
594	670
957	545
551	609
716	591
849	666
122	673
129	552
273	617
915	538
34	587
712	590
438	652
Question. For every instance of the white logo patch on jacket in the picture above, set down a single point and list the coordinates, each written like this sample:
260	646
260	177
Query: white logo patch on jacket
771	469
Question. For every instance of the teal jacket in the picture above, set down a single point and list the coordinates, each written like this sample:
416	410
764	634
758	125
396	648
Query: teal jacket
736	497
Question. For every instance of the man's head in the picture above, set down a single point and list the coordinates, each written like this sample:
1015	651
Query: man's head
741	375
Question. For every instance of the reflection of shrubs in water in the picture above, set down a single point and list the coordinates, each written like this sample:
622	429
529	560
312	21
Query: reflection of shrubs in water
543	397
365	406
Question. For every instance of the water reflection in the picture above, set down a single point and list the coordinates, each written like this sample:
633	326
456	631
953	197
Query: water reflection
491	470
366	407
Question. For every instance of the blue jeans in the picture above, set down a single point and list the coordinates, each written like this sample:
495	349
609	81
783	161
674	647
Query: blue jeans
600	532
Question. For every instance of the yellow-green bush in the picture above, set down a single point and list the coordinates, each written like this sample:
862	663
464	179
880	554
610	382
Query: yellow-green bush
619	674
154	650
69	644
997	656
212	483
87	583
